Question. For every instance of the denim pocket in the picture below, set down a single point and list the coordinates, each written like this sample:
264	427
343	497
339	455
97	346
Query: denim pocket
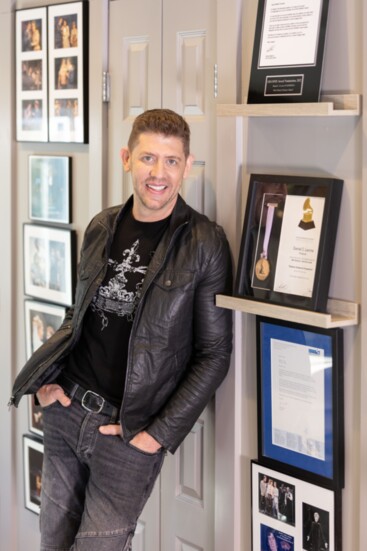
50	406
142	452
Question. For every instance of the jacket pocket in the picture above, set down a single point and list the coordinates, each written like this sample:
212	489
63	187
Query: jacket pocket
170	299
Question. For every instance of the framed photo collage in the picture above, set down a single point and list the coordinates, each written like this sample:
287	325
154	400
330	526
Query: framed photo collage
52	73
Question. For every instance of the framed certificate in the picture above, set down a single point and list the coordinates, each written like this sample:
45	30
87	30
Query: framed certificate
288	240
290	514
288	51
300	400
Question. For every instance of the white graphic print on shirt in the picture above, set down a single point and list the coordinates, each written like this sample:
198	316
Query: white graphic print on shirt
114	298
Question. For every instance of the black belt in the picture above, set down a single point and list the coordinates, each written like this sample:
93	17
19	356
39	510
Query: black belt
88	399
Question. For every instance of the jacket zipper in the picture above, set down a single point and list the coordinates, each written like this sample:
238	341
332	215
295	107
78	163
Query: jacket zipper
138	311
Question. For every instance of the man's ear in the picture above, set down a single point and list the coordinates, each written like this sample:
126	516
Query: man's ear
125	157
190	159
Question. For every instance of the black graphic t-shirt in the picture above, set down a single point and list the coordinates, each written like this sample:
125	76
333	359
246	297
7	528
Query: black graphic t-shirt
98	362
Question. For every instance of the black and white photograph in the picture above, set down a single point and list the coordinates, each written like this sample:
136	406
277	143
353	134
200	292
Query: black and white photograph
316	528
49	263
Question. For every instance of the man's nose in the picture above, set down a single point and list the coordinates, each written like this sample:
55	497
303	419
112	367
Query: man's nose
158	169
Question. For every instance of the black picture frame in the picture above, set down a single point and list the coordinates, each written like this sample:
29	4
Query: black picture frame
299	248
50	188
301	400
294	514
33	450
35	417
288	52
68	65
49	263
42	319
31	75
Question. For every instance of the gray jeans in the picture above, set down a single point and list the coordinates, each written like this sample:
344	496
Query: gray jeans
94	486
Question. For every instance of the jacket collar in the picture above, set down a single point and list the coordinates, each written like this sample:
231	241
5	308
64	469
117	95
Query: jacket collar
180	214
180	217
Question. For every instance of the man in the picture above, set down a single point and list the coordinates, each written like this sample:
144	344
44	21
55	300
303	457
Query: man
140	353
263	486
316	535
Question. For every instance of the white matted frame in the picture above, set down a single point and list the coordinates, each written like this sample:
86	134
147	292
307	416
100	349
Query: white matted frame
32	460
41	321
50	188
49	263
310	514
31	75
68	72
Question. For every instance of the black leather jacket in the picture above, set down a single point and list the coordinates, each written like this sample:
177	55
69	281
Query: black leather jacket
180	344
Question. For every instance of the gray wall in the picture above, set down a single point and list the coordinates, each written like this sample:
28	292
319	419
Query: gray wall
302	146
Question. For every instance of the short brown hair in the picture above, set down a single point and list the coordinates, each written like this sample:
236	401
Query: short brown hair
161	121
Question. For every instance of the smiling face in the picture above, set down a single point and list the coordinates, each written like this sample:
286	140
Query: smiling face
158	165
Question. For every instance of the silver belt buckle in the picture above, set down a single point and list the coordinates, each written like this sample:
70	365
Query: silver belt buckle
92	402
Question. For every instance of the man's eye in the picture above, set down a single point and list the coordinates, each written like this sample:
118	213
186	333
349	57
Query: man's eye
171	162
147	158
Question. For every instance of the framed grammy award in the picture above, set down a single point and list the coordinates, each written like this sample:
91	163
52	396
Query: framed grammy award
288	240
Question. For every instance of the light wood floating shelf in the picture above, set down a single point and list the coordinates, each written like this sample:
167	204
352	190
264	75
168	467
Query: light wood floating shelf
347	105
340	313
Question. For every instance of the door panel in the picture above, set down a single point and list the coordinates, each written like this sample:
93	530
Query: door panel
135	68
161	55
187	490
189	57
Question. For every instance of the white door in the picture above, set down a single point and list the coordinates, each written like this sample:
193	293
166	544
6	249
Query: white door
161	54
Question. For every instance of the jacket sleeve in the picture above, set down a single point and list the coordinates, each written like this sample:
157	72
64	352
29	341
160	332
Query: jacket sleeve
212	348
32	376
